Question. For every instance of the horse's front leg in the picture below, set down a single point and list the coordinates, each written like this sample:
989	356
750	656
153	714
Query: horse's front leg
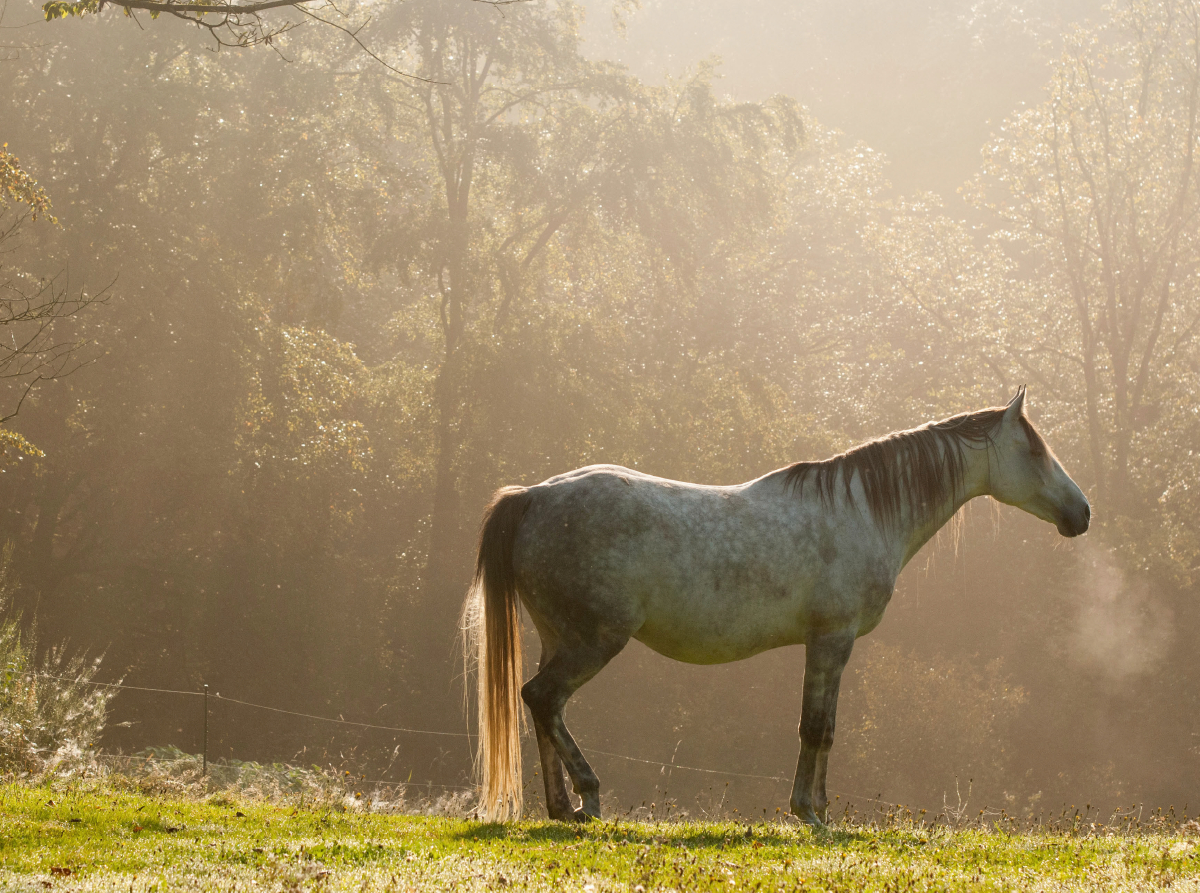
824	660
820	795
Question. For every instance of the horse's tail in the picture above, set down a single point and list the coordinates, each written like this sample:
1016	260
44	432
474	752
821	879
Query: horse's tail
491	624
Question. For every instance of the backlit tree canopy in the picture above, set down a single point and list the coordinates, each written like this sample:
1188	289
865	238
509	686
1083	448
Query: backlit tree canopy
354	298
1098	198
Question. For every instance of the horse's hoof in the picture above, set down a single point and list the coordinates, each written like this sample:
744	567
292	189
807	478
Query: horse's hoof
590	805
582	817
806	816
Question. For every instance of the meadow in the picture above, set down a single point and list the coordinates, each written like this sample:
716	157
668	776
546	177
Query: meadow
112	835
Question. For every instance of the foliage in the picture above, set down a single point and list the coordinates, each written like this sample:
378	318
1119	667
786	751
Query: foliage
12	444
32	310
350	305
170	772
16	185
917	713
1097	199
50	714
229	23
61	9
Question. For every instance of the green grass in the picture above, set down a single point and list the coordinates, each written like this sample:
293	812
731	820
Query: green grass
111	836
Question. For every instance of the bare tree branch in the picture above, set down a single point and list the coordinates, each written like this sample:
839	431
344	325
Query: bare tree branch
353	33
234	24
31	310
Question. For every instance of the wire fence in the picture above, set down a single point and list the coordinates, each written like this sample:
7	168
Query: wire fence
144	760
217	696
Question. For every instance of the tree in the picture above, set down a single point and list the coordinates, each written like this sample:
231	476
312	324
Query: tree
32	348
235	224
229	24
526	140
245	24
1098	194
481	80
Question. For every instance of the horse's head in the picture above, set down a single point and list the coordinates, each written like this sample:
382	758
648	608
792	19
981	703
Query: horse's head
1025	473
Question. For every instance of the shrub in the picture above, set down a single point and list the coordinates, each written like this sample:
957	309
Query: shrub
921	722
50	713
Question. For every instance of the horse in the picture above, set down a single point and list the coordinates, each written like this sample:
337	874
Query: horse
807	554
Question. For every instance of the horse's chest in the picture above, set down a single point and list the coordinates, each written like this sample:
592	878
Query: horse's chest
876	597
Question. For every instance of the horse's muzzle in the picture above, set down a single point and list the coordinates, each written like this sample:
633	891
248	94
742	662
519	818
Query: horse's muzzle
1075	520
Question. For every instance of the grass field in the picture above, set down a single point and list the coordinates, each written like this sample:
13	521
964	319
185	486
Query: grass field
111	836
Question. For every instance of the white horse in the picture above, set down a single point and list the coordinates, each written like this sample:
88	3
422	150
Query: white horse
809	553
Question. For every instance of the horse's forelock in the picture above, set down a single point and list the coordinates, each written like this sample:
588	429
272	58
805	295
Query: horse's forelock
922	467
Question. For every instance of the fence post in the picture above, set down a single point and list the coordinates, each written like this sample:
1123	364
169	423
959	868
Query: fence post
205	772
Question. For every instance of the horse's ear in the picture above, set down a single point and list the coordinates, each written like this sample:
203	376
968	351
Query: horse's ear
1016	406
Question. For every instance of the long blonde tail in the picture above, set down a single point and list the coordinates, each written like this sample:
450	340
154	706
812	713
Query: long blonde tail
491	623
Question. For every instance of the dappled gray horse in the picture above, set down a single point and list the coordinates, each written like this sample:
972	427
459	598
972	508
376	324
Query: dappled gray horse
809	553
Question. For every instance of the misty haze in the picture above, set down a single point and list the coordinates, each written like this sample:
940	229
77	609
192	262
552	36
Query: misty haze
281	319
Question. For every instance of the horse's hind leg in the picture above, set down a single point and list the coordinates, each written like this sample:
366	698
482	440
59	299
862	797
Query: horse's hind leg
547	693
558	803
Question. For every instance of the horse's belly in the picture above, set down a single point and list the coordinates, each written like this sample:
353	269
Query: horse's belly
715	634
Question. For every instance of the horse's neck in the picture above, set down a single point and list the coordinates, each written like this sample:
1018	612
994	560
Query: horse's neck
913	534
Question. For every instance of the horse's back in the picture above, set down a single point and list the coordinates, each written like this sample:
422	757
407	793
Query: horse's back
599	473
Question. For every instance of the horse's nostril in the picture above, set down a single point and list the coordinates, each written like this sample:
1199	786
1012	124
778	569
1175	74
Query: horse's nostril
1087	512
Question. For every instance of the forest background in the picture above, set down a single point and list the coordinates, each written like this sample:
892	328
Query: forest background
344	301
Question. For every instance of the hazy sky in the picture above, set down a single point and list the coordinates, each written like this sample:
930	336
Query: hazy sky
923	82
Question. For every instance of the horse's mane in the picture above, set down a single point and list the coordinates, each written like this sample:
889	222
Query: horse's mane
922	467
